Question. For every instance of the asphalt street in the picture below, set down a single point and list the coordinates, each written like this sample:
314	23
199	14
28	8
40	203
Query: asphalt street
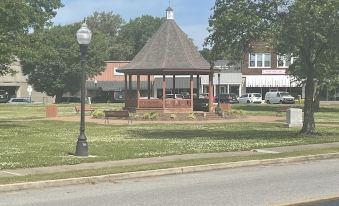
260	185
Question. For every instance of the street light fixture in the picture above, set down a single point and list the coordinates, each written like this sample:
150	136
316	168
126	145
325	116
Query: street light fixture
84	36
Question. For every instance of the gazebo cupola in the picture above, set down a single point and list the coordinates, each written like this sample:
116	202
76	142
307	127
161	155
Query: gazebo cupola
169	13
169	52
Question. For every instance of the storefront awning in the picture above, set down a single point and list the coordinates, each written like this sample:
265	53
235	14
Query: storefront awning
270	81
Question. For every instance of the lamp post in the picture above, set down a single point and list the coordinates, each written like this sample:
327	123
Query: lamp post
219	88
84	36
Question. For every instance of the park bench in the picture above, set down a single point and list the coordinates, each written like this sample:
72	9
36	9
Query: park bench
88	108
117	114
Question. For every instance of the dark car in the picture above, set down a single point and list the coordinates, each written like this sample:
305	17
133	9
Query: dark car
230	98
200	105
4	96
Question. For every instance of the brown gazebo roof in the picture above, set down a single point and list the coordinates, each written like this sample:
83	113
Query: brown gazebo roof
169	51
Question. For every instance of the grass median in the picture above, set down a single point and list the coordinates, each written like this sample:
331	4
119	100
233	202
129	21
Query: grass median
155	166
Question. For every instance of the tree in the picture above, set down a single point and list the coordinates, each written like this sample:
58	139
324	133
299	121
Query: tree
306	29
54	67
309	30
134	35
18	19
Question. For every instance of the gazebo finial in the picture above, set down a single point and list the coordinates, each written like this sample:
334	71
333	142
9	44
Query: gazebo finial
169	11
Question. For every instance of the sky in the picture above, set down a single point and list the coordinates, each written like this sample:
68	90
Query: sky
191	15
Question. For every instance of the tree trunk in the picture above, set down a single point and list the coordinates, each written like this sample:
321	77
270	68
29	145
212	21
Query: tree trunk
316	103
58	96
309	124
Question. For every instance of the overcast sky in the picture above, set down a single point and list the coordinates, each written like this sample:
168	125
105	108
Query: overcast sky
191	15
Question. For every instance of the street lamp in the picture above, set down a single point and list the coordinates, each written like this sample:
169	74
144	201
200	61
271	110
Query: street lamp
84	36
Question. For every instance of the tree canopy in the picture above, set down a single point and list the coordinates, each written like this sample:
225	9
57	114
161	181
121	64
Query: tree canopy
54	67
305	29
18	18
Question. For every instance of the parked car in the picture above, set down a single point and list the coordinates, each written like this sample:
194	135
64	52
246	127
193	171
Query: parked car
4	96
250	98
200	104
119	97
230	98
19	100
279	98
74	99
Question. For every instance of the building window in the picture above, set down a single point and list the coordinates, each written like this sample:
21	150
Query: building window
283	61
260	60
117	73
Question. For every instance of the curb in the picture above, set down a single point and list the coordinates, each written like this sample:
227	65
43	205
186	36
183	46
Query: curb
159	172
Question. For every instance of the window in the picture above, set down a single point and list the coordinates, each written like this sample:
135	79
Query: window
283	61
117	73
260	60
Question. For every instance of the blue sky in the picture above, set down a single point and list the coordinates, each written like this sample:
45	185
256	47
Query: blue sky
191	15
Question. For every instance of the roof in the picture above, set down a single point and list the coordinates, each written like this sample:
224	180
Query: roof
168	51
113	85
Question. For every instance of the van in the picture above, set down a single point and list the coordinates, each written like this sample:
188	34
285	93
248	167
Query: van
279	98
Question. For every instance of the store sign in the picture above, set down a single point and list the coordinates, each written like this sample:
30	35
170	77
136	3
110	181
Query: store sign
275	71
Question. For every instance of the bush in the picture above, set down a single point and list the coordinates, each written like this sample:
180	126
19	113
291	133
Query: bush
98	114
150	115
235	113
173	116
191	116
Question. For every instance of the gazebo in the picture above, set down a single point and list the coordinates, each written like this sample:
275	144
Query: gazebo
168	52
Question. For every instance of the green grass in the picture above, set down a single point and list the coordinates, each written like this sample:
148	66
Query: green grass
28	140
153	166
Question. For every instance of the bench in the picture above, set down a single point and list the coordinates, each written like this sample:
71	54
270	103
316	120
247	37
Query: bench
117	114
87	108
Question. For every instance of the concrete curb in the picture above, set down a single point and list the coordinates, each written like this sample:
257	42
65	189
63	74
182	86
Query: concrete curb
159	172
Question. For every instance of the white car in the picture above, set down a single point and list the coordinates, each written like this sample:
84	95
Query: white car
19	101
251	98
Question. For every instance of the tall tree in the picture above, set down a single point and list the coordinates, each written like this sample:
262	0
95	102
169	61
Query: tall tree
54	67
18	18
307	29
135	34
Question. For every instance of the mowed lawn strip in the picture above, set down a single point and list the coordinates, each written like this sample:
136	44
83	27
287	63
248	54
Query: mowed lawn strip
154	166
35	143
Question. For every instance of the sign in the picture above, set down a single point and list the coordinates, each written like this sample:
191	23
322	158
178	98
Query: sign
274	71
29	90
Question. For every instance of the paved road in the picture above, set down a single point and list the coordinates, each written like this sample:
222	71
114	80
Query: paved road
265	185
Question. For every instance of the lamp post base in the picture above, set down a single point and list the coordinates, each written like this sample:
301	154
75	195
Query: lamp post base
82	146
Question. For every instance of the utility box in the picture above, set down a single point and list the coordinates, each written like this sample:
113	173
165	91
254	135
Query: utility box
294	117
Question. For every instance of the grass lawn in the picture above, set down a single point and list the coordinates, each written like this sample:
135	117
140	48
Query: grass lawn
28	140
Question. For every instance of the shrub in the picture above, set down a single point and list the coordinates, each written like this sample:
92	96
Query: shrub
235	113
153	116
191	116
173	116
98	114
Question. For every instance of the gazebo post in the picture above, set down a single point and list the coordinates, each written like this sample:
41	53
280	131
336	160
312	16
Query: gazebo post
198	87
163	91
173	86
138	90
191	92
126	89
210	92
149	86
130	82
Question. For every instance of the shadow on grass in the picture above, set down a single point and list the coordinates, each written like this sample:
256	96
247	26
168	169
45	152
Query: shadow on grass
329	109
265	107
214	135
5	124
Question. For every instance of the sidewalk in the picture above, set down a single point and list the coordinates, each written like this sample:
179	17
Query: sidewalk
108	164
